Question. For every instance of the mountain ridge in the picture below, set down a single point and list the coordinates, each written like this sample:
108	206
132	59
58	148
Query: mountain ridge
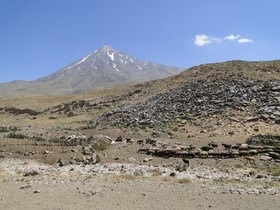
105	67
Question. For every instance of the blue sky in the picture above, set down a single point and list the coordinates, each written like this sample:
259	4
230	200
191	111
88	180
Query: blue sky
38	37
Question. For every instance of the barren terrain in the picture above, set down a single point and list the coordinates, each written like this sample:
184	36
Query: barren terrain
205	139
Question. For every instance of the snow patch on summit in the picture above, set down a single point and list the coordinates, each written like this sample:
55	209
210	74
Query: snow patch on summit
81	61
111	55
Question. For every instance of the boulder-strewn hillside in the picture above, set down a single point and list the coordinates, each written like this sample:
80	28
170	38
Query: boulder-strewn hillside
251	89
106	67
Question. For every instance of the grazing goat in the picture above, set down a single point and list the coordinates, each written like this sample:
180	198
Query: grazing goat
186	161
206	148
243	147
235	146
227	146
203	154
141	142
250	159
191	147
151	141
213	144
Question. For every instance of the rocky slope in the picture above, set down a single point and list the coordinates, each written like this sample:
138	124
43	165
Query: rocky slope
206	91
106	67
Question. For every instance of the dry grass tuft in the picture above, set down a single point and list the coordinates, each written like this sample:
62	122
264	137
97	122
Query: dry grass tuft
184	181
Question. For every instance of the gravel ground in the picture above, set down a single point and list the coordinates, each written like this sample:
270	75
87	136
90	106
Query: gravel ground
32	185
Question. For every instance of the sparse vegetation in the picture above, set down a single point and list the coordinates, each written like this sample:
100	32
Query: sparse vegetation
38	138
274	170
235	181
184	181
238	166
4	129
15	135
98	159
155	173
100	111
14	129
125	177
137	173
90	176
181	167
272	184
57	139
8	129
252	183
100	146
166	179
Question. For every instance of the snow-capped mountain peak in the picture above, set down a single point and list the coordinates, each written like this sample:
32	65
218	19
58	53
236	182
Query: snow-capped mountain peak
104	67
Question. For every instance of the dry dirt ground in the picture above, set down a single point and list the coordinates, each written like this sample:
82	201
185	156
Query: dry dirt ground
226	184
114	193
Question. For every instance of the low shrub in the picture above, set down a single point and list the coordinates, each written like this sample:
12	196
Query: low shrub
137	173
14	135
14	128
98	159
184	181
274	170
100	146
181	167
38	138
238	165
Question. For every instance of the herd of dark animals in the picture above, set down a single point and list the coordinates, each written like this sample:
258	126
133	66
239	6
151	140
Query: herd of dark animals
211	150
164	150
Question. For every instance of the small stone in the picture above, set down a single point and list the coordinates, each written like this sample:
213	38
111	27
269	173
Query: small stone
37	191
72	161
172	174
61	162
119	139
93	192
94	159
45	152
2	156
252	119
259	176
203	131
231	133
131	159
31	172
25	186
